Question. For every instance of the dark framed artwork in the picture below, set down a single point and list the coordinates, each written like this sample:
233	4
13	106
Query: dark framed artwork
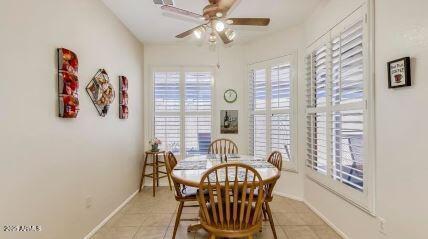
229	122
399	73
123	97
101	92
68	83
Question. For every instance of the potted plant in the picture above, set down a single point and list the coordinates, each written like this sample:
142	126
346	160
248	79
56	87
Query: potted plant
155	144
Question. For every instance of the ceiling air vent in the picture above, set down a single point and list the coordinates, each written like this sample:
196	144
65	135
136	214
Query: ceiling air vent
164	2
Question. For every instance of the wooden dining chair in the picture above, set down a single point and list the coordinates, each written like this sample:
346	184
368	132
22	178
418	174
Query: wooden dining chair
227	210
223	146
275	158
182	194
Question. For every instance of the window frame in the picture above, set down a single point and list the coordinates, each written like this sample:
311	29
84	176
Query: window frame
182	70
365	199
268	112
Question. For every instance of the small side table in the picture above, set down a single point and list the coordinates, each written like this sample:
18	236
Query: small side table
156	164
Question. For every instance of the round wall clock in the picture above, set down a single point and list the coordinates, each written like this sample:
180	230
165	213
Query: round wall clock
230	96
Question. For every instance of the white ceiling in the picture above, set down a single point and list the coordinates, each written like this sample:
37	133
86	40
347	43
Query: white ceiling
152	25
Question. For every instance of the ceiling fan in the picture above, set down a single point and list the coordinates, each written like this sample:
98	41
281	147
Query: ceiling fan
216	21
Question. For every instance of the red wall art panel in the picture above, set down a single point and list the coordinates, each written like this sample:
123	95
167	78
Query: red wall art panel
68	84
123	97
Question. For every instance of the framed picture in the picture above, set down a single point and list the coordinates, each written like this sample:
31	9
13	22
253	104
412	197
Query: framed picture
123	97
229	121
399	73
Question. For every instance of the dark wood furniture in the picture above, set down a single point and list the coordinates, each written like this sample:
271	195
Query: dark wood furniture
223	146
183	194
231	209
156	173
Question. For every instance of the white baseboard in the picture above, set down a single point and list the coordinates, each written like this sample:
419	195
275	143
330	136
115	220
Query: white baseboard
103	222
334	227
288	196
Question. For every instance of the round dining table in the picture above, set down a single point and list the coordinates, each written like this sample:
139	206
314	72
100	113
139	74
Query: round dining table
189	171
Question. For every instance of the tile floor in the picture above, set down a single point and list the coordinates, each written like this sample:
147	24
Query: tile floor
148	217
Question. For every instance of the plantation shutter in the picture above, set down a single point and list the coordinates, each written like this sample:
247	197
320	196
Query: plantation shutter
335	107
348	109
280	118
198	95
167	123
258	129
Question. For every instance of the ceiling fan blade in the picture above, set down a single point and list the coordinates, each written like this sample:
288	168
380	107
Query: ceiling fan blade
189	32
224	38
249	21
181	11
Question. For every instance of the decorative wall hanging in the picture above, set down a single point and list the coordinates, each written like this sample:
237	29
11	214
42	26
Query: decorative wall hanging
123	97
399	73
229	122
101	92
230	96
68	83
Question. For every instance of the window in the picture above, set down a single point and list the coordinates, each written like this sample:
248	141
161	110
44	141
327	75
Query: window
182	106
270	90
337	110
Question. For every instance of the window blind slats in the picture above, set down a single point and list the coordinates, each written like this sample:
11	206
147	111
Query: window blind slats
280	87
198	91
197	135
192	122
167	91
334	143
281	134
167	129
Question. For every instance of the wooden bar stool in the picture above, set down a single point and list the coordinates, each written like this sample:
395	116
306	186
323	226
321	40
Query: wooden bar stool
156	173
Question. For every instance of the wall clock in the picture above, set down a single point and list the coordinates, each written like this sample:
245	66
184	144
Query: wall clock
230	96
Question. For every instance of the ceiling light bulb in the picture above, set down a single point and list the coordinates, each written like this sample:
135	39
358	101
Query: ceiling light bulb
212	38
219	14
230	34
219	26
197	33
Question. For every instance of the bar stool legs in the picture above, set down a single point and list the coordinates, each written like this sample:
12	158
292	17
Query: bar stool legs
155	175
143	173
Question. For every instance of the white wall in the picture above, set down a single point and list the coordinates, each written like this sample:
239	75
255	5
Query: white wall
288	42
49	165
401	29
229	76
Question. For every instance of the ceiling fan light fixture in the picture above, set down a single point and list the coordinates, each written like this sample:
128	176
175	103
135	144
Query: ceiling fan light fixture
231	34
229	21
219	26
212	39
197	33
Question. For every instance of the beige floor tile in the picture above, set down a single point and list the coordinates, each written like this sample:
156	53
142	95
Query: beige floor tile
311	218
116	233
289	219
131	220
150	233
201	234
113	220
299	232
158	220
181	233
268	234
325	232
146	216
